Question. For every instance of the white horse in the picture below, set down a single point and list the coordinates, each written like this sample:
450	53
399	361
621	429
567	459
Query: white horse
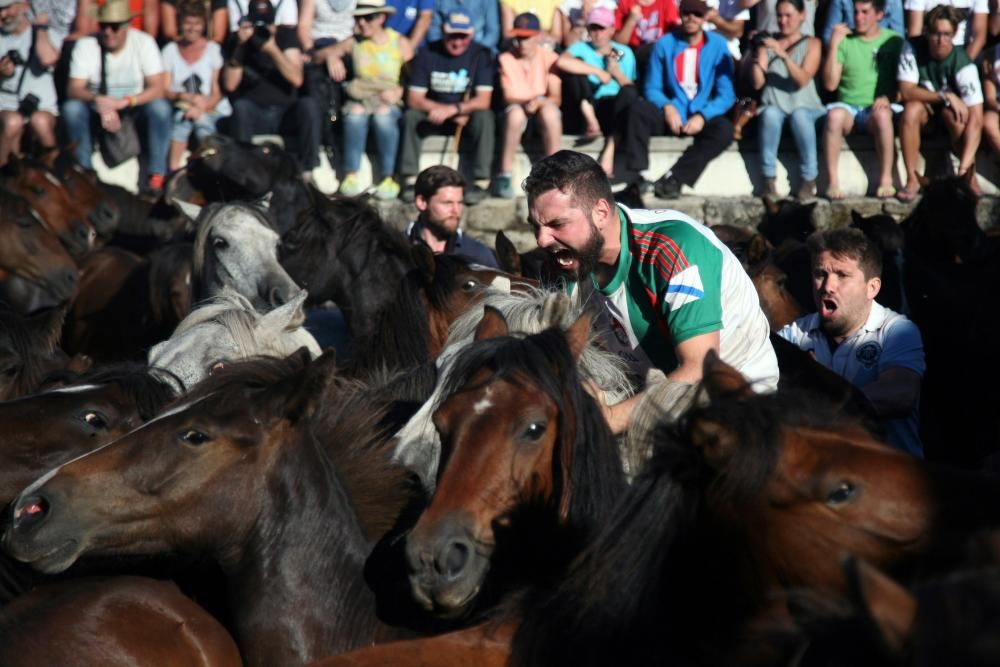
417	443
228	328
236	247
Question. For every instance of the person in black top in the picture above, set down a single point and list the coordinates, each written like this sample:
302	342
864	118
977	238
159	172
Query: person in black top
262	75
451	86
439	194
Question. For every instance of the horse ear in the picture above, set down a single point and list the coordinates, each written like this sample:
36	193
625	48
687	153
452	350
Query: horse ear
578	335
758	249
720	380
493	324
312	389
423	257
191	211
286	317
716	441
507	254
891	608
265	201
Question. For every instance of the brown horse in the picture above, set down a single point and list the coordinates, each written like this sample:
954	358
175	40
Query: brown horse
301	457
528	469
84	189
114	622
746	497
44	192
29	350
36	272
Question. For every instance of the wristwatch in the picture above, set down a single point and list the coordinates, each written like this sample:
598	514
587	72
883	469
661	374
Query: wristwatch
944	99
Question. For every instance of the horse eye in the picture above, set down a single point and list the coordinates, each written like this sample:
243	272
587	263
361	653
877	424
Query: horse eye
193	437
534	431
37	190
841	494
471	284
95	419
220	243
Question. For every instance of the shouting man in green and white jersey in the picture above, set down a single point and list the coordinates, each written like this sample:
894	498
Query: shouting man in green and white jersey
671	290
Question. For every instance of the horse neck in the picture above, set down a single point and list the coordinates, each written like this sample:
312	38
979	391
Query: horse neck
298	592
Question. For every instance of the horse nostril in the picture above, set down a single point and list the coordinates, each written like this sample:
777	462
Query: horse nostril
455	558
71	278
30	512
278	297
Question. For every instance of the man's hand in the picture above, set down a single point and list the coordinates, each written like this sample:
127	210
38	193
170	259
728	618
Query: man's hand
391	96
442	113
244	32
335	68
613	67
635	12
958	108
532	106
104	104
840	31
881	102
604	76
673	119
695	124
111	121
7	67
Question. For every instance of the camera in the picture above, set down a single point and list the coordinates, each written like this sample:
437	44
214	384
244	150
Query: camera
757	41
28	106
15	57
262	15
617	54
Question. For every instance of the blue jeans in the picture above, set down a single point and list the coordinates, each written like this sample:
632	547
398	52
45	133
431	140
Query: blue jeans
803	123
81	120
386	125
205	126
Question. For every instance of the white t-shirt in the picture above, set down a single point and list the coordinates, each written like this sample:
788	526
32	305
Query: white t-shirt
202	73
971	7
966	78
36	81
887	340
573	10
126	70
731	10
286	12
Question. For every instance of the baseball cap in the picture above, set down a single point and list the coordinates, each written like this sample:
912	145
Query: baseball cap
526	25
459	23
693	7
601	16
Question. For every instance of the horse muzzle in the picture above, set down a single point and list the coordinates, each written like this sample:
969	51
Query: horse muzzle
27	540
447	569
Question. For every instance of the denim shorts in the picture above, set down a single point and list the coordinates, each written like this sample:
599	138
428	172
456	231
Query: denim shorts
861	114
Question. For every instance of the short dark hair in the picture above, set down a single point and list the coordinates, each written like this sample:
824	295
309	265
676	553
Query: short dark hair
878	5
800	5
851	243
187	8
432	179
574	173
942	13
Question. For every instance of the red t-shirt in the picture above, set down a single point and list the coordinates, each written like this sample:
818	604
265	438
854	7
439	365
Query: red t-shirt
686	68
657	19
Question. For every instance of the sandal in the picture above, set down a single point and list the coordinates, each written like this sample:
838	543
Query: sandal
907	195
835	195
885	192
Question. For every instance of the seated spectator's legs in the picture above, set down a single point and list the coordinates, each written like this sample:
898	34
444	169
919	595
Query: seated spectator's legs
803	123
965	138
643	120
415	128
386	125
180	134
708	144
13	129
880	127
302	121
612	113
914	118
76	116
515	121
839	123
578	100
478	139
771	120
549	120
249	118
156	117
991	128
43	126
355	127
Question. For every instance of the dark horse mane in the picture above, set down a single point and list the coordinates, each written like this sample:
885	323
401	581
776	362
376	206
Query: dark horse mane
148	391
343	429
350	218
656	579
597	480
34	339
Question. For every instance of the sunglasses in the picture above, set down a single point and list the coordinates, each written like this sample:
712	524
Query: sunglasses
593	27
113	27
691	12
366	18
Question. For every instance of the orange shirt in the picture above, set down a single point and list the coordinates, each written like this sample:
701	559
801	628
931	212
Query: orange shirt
523	80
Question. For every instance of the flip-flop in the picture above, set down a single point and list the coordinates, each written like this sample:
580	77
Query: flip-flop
885	192
906	195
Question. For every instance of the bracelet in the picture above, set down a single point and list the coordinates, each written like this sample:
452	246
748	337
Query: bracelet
42	26
131	101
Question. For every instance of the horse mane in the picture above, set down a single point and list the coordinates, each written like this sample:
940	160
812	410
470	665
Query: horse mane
597	477
164	263
148	391
232	311
346	219
34	339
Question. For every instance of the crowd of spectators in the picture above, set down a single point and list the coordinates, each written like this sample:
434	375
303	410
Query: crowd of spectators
150	78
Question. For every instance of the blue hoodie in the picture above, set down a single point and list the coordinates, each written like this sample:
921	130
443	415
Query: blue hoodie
715	77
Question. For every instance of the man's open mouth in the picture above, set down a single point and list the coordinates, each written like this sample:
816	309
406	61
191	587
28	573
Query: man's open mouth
827	308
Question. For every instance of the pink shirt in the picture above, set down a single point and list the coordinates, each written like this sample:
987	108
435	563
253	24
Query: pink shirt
523	80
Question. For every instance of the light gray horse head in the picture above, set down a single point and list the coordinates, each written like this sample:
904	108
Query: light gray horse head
228	328
236	247
418	445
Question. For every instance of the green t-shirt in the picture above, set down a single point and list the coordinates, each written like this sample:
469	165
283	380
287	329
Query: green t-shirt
869	67
956	73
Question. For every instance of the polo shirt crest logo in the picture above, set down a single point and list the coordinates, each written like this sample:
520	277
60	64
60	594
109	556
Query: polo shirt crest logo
619	331
868	354
684	287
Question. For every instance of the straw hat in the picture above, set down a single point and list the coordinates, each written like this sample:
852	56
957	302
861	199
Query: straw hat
114	11
367	7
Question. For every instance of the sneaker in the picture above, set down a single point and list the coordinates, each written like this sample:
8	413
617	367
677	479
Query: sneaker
770	190
408	194
807	191
667	187
475	194
503	186
350	186
387	189
154	185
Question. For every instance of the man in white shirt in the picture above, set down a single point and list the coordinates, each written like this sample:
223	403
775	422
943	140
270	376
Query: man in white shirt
972	31
876	349
130	84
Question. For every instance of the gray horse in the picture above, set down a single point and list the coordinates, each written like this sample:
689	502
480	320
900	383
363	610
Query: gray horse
236	247
228	328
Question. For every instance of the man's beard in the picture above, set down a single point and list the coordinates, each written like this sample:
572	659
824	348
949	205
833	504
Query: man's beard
437	229
587	257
